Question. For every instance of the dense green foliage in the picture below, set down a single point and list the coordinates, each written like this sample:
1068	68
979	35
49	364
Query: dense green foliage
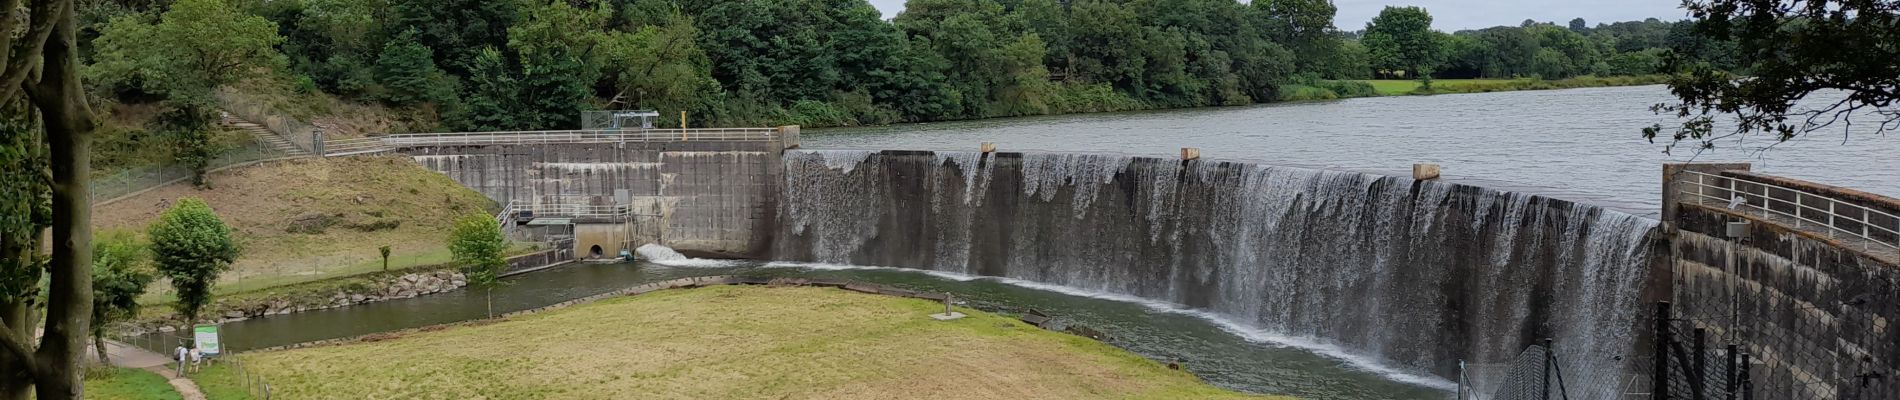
25	213
537	64
191	49
121	271
191	246
1847	51
477	246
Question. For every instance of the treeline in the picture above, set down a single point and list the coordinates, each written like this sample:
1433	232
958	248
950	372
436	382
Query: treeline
536	64
1401	44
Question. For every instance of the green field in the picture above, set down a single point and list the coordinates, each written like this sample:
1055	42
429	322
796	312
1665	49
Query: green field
127	384
1395	87
724	343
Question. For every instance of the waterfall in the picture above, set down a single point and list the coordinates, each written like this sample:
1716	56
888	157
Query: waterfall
1417	274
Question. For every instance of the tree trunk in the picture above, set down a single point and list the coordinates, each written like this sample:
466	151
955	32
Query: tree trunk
15	385
490	294
99	344
68	121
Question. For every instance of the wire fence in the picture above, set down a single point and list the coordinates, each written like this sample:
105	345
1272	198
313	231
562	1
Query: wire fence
120	184
1703	355
301	134
242	375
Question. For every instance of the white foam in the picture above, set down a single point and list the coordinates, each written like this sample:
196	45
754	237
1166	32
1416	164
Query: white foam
1245	331
663	255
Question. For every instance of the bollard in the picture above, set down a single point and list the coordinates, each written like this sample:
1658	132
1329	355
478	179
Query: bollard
1425	172
988	147
948	313
1190	153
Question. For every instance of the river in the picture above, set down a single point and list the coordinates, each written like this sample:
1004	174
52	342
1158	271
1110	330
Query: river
1577	144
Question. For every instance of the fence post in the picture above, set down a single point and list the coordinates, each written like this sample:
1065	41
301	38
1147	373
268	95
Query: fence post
1748	383
1546	380
1461	379
1701	366
1659	383
1729	385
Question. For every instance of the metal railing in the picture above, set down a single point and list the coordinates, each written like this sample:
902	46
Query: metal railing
350	147
580	136
566	210
259	111
1874	225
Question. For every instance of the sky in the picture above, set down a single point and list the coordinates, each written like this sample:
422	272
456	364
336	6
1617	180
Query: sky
1453	15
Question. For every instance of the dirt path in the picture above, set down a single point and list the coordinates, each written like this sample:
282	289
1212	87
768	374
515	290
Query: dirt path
129	356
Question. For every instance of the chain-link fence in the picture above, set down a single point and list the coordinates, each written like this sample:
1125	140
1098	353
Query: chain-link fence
301	134
1700	355
120	184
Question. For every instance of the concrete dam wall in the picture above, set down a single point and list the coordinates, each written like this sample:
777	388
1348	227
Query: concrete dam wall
1813	307
1420	273
713	197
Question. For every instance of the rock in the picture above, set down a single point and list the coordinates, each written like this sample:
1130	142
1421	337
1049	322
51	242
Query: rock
357	298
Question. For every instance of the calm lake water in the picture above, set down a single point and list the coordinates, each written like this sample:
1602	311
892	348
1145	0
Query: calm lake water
1578	144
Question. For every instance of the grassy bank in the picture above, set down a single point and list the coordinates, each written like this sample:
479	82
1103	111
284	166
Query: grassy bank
312	219
1450	86
727	342
112	383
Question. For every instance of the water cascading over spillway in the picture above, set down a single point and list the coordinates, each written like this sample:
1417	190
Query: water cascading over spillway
1418	274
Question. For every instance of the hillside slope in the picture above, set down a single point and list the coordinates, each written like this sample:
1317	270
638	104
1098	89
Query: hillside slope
306	219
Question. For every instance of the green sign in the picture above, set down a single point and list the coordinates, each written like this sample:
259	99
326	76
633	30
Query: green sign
207	338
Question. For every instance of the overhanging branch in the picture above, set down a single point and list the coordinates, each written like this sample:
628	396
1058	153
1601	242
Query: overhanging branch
16	347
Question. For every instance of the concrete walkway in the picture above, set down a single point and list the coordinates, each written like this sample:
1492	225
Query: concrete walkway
128	356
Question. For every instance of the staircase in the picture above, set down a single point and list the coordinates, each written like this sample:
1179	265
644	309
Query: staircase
264	135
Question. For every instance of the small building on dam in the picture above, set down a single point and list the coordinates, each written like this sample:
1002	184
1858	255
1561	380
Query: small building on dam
1748	283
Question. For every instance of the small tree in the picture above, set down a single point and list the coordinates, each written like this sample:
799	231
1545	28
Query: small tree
120	274
385	251
186	122
191	247
477	245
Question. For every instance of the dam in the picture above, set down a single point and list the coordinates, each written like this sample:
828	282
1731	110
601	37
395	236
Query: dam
1450	280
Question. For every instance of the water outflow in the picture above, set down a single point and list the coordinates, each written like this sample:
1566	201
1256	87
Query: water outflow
1417	274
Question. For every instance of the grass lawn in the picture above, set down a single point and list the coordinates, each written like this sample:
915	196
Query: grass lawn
728	342
1395	87
127	384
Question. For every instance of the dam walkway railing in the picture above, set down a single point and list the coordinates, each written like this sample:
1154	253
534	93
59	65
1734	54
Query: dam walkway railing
1875	228
347	147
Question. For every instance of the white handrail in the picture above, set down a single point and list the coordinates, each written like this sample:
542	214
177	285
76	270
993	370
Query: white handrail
1704	183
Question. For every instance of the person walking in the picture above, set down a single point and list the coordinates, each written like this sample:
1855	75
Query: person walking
183	355
197	359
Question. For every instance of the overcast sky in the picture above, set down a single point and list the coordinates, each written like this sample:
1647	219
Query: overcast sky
1453	15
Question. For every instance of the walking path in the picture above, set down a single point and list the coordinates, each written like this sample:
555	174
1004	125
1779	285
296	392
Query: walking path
128	356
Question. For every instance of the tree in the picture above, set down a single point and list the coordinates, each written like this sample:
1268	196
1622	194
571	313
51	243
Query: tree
458	30
120	275
1579	26
1842	50
553	43
408	74
492	92
186	123
43	42
477	246
385	252
196	46
191	247
25	214
1401	39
